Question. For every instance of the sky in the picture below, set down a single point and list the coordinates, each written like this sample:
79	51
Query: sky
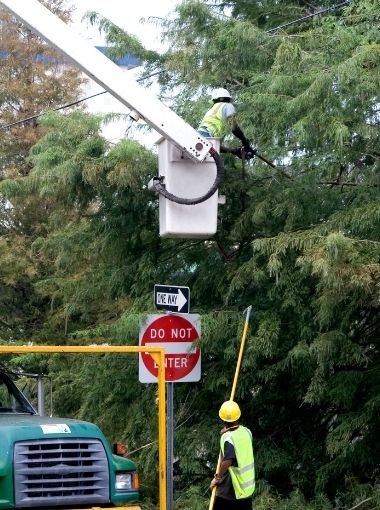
127	15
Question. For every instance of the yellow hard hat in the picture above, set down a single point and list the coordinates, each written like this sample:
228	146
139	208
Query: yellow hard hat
229	411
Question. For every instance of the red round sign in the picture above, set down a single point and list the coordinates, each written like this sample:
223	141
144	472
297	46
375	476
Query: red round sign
176	334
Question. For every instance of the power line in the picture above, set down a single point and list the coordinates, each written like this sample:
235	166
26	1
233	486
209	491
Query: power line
54	110
309	16
74	103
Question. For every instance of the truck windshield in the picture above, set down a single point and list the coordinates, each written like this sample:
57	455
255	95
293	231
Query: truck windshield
11	398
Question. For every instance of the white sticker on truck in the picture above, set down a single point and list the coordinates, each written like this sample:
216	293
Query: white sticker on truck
56	428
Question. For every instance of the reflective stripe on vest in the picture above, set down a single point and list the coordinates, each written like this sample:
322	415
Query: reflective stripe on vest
242	475
213	121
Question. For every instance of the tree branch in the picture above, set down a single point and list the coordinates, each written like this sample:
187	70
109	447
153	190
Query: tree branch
359	504
342	168
334	183
226	256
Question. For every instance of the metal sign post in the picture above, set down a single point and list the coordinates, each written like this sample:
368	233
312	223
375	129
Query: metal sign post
41	395
177	333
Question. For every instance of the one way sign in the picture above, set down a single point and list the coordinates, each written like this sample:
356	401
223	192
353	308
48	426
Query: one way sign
173	299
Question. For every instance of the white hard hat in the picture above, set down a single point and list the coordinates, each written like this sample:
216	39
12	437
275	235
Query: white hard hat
218	93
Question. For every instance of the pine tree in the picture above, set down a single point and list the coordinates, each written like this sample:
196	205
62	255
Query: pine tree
303	250
33	78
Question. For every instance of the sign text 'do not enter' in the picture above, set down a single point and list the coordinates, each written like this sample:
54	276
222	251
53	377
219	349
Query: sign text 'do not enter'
177	334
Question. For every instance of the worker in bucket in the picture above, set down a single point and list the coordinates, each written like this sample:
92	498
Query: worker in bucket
235	479
220	120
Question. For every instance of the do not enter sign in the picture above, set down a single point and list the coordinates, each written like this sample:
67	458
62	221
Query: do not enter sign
177	334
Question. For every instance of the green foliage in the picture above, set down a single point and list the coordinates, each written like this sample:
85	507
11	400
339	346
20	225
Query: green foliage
28	86
302	248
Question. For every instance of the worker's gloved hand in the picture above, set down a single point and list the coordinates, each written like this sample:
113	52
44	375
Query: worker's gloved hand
250	153
236	152
215	481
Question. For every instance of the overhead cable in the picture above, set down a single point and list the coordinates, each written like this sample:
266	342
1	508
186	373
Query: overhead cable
54	110
74	103
309	16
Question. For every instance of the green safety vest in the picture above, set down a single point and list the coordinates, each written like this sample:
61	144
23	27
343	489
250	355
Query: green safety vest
213	121
242	475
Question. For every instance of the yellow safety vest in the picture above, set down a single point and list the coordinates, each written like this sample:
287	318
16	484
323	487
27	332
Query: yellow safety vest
242	475
213	121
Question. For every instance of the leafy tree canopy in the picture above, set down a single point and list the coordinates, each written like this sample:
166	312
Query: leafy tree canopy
33	78
301	248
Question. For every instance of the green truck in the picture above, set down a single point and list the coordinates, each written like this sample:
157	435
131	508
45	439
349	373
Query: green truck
54	462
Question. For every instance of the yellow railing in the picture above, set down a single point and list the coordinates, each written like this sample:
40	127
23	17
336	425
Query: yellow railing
159	356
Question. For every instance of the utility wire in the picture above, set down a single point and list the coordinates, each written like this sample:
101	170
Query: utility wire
293	22
54	110
309	16
74	103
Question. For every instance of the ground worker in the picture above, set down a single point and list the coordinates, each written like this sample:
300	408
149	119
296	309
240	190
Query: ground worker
235	479
220	120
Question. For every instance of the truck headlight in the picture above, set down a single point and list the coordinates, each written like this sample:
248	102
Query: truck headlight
124	481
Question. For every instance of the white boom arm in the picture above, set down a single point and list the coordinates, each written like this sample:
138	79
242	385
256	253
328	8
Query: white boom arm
109	76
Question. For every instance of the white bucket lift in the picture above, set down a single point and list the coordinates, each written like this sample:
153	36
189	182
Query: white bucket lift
187	179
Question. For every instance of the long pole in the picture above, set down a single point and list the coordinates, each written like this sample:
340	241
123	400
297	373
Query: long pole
270	163
267	161
162	431
247	313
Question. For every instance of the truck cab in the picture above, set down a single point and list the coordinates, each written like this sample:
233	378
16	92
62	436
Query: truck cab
57	462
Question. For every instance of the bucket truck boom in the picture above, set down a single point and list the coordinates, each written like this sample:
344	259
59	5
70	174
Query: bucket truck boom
191	217
108	75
